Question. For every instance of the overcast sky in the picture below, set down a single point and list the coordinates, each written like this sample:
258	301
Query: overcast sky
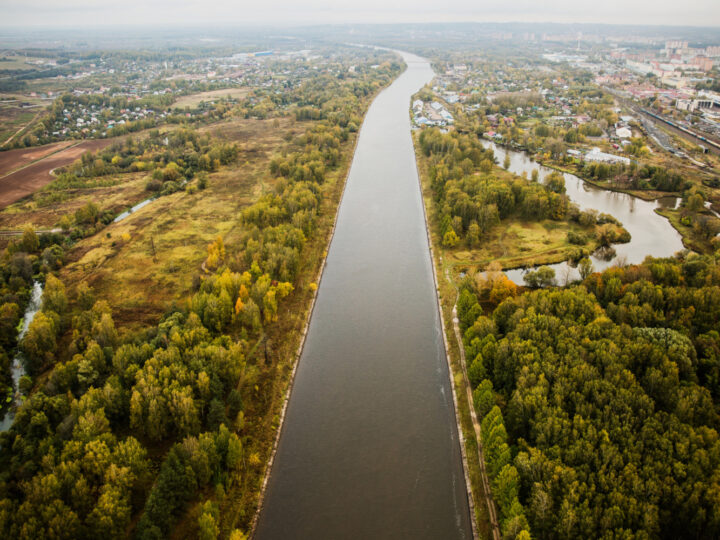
290	12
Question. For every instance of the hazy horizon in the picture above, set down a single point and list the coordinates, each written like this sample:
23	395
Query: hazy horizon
89	13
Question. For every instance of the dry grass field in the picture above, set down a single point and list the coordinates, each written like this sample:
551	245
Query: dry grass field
515	244
144	263
193	100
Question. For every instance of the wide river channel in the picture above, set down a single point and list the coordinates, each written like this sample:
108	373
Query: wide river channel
369	446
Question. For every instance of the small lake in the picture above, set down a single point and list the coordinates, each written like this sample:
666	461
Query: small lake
651	233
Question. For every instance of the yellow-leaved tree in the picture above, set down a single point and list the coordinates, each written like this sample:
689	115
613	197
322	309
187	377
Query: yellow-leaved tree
216	254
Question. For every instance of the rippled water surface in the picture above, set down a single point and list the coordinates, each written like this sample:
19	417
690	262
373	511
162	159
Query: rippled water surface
369	447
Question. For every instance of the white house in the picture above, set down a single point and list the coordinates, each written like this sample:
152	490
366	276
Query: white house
623	133
601	157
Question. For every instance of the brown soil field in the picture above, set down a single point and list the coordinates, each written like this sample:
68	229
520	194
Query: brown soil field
22	183
14	159
36	212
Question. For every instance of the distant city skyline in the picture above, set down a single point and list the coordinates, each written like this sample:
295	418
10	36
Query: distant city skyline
93	13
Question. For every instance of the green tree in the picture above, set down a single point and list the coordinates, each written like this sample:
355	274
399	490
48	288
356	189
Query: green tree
585	267
29	242
450	240
542	277
54	297
207	525
38	346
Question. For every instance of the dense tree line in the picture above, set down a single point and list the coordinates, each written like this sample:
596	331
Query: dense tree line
28	258
599	401
170	156
636	176
472	199
333	95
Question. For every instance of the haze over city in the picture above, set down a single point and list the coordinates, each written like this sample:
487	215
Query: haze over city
86	13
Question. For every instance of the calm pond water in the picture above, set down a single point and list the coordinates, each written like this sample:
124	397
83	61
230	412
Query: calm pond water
369	447
651	233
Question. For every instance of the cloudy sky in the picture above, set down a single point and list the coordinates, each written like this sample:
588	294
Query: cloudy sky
291	12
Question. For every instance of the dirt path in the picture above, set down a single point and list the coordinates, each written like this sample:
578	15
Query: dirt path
492	512
23	128
20	233
14	160
27	180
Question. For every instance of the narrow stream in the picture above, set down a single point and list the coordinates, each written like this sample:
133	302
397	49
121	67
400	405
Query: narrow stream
17	367
135	208
33	307
651	233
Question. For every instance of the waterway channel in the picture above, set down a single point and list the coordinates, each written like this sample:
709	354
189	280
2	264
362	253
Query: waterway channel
369	446
651	233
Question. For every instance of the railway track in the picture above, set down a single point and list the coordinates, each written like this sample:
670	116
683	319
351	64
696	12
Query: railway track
711	145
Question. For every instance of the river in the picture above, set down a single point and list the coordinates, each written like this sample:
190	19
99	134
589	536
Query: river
369	446
651	233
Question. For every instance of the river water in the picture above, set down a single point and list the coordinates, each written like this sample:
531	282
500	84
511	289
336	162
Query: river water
369	447
17	368
651	233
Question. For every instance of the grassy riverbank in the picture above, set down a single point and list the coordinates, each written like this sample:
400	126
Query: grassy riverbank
691	238
447	295
519	244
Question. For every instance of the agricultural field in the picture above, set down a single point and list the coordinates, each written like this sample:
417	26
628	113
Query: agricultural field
26	181
17	114
21	157
24	62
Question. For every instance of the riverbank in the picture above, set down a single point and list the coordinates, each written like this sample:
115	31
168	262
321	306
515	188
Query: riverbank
522	238
523	244
689	237
341	456
644	194
651	234
298	341
482	504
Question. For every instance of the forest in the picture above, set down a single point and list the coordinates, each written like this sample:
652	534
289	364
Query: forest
172	158
126	434
472	197
599	401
